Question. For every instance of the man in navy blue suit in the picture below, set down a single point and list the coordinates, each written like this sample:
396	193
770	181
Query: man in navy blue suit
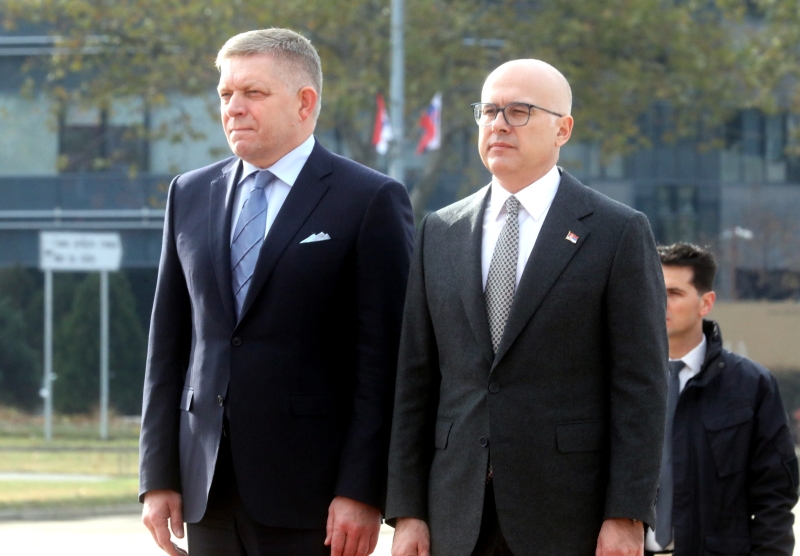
275	328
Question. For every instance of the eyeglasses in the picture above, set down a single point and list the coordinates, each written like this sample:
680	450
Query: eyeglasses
516	113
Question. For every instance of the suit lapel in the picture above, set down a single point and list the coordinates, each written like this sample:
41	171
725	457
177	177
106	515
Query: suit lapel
306	192
219	228
466	261
551	254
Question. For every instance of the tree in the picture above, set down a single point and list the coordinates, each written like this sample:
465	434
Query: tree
77	350
772	35
20	377
619	55
20	338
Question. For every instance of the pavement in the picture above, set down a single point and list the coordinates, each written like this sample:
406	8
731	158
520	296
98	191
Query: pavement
53	477
99	536
123	536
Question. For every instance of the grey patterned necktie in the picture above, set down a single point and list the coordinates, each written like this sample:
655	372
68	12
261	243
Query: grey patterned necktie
665	483
248	237
502	280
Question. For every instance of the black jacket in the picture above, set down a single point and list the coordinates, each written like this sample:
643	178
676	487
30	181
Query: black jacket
734	462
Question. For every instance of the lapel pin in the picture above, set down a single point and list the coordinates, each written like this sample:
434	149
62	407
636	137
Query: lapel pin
572	237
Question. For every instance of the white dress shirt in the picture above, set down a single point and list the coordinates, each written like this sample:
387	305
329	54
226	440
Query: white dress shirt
693	362
285	171
534	201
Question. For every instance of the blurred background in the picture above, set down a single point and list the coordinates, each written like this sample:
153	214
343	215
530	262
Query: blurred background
687	110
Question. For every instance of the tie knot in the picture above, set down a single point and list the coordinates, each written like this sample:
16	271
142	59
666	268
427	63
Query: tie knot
675	367
263	178
512	205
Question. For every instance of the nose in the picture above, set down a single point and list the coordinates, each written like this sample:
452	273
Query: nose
500	125
235	106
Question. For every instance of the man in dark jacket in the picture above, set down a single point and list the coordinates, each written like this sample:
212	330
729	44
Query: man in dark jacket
729	472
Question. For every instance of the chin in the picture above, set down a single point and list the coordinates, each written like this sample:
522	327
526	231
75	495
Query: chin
242	151
500	166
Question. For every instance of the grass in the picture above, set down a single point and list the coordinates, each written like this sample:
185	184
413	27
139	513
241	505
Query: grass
44	494
76	449
84	462
21	426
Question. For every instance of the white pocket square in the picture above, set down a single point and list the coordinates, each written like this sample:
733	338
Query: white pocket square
322	236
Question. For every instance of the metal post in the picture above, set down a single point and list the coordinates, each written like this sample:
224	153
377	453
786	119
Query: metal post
47	387
397	85
104	355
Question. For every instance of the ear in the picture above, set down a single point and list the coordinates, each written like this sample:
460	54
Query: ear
564	125
308	101
707	303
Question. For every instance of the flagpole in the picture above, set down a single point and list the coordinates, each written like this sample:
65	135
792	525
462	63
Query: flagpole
397	97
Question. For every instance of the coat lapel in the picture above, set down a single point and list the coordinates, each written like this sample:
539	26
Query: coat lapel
551	254
219	229
306	192
466	261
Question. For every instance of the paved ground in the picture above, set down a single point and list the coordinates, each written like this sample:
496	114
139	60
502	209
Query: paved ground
120	536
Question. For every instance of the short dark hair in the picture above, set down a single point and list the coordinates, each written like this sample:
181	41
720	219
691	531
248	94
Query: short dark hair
699	259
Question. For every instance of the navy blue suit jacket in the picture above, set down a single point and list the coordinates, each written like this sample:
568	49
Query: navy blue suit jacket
306	375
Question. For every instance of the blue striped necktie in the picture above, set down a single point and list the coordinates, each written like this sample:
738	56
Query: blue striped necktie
248	236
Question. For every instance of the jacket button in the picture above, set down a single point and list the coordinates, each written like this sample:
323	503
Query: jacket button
722	365
484	441
237	341
494	388
221	400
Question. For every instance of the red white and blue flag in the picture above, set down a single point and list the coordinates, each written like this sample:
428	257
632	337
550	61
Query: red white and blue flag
431	124
382	133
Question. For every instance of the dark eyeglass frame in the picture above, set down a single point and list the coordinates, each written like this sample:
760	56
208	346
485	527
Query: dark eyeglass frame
477	109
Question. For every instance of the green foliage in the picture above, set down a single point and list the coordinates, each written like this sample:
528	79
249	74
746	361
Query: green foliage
77	349
771	33
619	55
19	374
20	339
704	59
76	316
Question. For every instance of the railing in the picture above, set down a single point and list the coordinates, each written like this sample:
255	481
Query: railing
110	201
84	192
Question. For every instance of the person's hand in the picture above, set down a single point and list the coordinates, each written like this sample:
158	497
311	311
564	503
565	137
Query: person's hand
162	509
411	538
352	528
620	537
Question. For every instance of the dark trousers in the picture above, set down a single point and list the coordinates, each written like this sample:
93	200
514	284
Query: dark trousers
227	530
490	540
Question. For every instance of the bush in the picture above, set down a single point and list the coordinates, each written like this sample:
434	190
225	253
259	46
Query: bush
77	350
20	368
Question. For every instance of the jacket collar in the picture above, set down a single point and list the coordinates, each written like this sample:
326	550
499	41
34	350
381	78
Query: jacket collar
562	235
711	366
551	254
219	225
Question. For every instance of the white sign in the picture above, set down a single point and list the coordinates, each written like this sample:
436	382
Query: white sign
79	252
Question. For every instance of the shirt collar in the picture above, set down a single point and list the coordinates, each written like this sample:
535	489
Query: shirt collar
534	198
286	168
694	359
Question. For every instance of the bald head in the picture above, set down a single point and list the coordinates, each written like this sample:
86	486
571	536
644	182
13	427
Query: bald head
544	81
518	155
